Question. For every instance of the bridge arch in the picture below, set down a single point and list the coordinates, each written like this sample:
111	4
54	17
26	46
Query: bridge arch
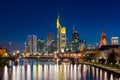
65	59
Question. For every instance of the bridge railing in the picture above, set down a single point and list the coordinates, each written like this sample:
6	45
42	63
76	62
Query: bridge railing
77	55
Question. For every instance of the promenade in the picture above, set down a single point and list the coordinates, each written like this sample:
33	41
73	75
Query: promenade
106	67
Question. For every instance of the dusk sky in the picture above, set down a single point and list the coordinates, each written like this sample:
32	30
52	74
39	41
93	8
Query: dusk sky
20	18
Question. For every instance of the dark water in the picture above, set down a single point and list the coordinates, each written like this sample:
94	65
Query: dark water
39	70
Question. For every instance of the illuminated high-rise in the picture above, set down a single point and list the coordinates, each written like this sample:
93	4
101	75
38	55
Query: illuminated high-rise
50	39
32	44
41	45
114	41
77	45
61	37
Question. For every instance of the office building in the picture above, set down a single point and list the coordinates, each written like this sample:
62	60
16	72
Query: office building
50	40
41	45
114	41
61	37
31	44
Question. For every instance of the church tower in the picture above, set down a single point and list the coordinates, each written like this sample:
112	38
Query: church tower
103	40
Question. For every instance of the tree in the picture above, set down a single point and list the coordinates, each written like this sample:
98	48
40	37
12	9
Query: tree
111	57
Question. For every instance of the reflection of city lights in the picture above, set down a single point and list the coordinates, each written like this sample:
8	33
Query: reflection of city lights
23	72
101	74
13	73
75	73
5	73
111	77
105	74
28	72
96	73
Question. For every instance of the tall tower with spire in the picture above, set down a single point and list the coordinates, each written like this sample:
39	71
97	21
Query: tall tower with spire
103	40
61	36
58	34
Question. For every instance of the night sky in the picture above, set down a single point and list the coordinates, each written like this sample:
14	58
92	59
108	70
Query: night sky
20	18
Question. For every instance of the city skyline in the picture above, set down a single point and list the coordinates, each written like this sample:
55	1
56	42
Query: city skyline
18	19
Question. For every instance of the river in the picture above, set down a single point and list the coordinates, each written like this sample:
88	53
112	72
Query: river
46	70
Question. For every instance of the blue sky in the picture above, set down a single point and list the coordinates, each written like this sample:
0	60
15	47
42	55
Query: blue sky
20	18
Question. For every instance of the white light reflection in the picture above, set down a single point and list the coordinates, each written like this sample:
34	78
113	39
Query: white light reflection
111	77
28	72
18	72
84	72
5	77
79	72
75	75
96	73
23	73
45	72
13	73
101	74
71	72
105	75
50	72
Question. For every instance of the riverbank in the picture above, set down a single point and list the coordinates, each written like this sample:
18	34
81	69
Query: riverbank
112	69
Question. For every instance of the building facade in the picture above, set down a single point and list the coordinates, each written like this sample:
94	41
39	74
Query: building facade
41	45
31	44
114	41
61	37
50	40
76	44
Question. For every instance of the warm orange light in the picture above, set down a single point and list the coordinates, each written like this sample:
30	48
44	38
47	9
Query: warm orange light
64	54
79	55
2	51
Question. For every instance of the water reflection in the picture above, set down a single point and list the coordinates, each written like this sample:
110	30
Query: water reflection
30	71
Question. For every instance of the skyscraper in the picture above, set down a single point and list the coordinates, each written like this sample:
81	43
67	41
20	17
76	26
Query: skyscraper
103	40
31	44
75	43
41	45
114	41
75	35
61	37
50	39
